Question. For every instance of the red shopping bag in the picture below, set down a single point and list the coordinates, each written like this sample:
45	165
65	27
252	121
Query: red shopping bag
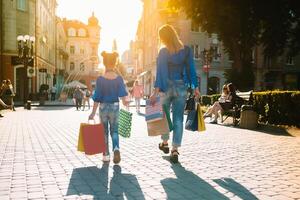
93	138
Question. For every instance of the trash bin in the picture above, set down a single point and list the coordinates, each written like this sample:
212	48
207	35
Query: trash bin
249	118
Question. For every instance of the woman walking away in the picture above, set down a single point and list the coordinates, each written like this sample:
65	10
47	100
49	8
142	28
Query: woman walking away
109	88
137	92
174	73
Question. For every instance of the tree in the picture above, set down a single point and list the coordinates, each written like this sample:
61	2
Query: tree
243	24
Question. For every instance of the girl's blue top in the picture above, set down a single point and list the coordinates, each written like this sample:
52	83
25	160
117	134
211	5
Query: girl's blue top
174	67
109	90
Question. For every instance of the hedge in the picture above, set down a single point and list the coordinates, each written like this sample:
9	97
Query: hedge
273	107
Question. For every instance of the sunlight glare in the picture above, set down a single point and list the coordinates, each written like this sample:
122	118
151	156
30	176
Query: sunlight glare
118	19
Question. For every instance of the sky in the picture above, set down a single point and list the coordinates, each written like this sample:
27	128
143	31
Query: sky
118	19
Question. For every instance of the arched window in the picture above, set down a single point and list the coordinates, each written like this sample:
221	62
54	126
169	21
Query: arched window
71	32
81	32
213	85
72	66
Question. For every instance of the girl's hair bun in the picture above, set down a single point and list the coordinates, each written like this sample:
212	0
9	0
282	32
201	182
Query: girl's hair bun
103	53
115	54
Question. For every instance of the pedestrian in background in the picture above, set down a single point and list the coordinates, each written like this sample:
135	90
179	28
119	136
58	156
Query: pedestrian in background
53	92
175	71
86	98
3	88
10	94
109	88
78	96
137	93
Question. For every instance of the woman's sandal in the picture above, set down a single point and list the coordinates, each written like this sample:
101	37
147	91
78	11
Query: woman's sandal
164	147
174	156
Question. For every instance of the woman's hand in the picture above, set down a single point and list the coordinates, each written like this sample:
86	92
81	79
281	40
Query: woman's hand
196	92
125	102
153	96
153	99
92	115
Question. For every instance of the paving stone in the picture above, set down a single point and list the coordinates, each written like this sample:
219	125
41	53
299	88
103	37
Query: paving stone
221	163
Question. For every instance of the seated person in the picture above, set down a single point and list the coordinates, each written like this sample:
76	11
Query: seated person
223	105
223	98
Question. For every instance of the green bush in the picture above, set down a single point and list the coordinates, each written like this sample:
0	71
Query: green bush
273	107
278	107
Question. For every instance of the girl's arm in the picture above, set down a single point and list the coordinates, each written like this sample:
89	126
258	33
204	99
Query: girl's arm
95	106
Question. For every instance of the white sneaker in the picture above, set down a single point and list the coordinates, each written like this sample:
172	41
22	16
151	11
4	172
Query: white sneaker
105	158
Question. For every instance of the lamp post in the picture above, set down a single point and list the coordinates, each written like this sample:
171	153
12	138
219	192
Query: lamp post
25	53
208	56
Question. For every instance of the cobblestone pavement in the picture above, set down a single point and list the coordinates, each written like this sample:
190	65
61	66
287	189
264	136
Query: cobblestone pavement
39	160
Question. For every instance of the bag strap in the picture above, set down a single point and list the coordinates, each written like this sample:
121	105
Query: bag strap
186	61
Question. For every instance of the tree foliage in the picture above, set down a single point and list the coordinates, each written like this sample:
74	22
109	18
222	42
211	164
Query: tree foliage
243	24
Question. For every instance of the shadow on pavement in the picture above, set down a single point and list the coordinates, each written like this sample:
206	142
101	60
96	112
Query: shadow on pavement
236	188
94	181
188	185
49	108
89	181
125	185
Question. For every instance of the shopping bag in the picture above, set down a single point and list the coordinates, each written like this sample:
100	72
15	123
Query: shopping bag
80	146
191	123
201	124
154	112
125	120
93	138
167	114
158	127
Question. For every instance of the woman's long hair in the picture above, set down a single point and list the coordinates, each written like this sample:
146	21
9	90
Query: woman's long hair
169	37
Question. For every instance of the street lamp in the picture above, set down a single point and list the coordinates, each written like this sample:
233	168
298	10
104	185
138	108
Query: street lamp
208	56
25	53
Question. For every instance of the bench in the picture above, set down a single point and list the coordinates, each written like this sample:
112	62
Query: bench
246	98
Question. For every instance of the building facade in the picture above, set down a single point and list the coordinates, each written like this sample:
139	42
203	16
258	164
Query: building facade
17	18
82	47
45	44
61	56
282	72
35	18
155	14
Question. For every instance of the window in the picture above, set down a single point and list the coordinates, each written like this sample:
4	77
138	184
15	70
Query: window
253	56
217	54
21	5
196	50
81	50
82	67
81	32
195	27
72	49
72	66
290	60
267	61
71	32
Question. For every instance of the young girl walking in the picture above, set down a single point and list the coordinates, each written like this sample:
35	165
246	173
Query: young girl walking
109	88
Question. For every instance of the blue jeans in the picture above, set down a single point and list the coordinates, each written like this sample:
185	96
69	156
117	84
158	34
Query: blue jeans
175	96
109	117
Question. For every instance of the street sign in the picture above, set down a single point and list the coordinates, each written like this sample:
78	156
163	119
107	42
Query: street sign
30	72
206	68
43	70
